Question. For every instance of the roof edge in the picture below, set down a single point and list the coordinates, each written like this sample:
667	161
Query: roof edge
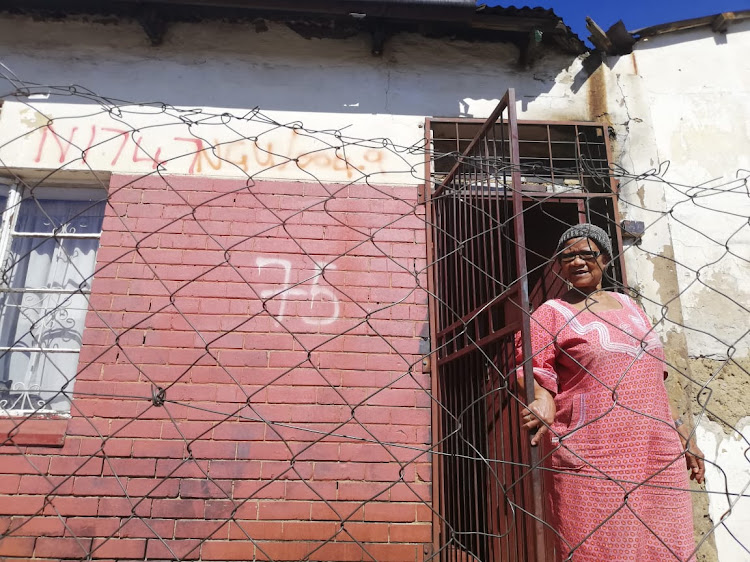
531	29
719	24
619	41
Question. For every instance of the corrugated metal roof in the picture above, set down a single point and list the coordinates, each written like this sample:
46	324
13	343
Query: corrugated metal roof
461	19
554	30
522	11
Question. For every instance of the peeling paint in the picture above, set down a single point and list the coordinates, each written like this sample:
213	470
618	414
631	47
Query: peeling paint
667	287
597	95
641	196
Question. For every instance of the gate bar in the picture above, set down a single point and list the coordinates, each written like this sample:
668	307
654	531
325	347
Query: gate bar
523	291
488	124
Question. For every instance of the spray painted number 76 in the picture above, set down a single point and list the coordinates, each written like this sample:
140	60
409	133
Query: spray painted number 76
317	295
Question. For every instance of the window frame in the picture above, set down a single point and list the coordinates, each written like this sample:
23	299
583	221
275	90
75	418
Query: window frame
527	125
20	420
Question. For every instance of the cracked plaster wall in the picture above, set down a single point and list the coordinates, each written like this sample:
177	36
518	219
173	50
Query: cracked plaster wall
681	105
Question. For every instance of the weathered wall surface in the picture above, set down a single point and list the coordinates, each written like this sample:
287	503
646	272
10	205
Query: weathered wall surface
233	66
682	106
697	85
328	84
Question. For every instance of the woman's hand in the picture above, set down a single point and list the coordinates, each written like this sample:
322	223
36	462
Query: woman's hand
539	414
694	460
693	454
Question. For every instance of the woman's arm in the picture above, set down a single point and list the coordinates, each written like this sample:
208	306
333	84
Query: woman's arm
540	412
693	455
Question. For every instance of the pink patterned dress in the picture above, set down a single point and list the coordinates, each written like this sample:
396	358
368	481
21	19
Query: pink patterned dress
617	485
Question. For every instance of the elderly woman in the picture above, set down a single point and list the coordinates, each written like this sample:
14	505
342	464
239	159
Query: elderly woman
617	489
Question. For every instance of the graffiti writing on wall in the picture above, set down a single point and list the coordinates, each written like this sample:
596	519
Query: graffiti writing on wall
115	148
318	296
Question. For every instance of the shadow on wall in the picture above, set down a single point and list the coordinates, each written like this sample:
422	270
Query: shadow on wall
235	66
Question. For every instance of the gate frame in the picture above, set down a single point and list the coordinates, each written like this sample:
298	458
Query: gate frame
542	546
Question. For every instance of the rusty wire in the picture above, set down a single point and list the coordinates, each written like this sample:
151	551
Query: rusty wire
246	406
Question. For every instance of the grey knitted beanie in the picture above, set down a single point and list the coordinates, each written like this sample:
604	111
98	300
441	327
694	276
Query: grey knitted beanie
591	231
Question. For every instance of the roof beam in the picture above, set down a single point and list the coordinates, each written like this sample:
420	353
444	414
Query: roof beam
721	22
433	10
520	24
598	37
718	22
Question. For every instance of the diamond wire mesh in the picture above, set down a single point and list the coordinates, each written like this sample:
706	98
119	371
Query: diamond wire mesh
187	440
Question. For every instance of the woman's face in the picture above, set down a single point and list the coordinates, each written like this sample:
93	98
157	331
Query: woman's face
582	264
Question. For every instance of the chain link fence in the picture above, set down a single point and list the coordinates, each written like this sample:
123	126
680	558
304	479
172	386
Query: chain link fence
257	378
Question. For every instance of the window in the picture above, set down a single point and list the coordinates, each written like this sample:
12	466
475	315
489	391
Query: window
555	157
48	243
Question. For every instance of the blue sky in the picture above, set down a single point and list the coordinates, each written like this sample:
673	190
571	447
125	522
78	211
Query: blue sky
634	13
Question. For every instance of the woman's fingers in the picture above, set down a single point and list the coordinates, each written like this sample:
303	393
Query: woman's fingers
701	472
692	463
537	437
534	419
527	417
539	414
531	424
695	465
530	419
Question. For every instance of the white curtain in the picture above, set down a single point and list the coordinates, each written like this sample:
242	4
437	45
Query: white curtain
51	320
3	202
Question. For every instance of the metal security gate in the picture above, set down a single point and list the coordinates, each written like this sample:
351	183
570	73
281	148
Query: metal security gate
494	219
487	492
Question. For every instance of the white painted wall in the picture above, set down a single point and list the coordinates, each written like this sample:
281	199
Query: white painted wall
319	84
697	86
728	480
211	142
684	99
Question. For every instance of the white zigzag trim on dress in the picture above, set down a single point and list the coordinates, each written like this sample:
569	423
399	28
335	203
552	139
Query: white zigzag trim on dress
636	351
651	340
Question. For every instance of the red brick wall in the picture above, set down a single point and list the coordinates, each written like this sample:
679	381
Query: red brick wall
288	433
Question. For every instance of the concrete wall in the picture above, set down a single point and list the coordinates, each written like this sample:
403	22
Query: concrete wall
681	107
233	66
696	85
